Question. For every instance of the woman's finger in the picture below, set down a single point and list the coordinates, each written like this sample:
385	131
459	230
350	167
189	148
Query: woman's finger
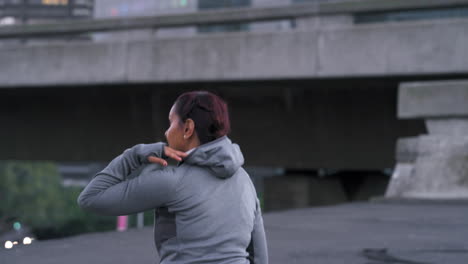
157	160
181	154
175	154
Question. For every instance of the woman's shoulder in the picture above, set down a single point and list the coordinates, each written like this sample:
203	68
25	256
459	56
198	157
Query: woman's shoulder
170	174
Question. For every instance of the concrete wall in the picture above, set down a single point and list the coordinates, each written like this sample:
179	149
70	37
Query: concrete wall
433	166
423	48
434	100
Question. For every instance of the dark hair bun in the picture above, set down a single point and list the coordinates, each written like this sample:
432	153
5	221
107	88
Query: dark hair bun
208	111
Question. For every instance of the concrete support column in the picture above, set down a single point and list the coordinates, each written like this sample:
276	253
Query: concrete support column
296	191
434	165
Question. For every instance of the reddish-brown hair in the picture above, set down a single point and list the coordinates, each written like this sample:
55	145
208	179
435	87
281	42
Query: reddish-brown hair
208	111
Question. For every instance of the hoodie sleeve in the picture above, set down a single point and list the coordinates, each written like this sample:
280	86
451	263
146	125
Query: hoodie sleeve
258	252
110	192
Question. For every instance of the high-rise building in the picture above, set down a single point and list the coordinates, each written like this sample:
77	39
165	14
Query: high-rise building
125	8
38	11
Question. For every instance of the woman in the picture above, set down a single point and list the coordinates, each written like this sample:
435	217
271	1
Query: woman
206	208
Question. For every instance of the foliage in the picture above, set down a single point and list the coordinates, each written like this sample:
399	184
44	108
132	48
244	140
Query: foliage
31	192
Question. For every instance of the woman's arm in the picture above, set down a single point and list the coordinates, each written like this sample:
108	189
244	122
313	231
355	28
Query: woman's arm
257	249
133	158
111	193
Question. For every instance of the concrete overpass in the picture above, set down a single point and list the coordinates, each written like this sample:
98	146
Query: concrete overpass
403	49
321	96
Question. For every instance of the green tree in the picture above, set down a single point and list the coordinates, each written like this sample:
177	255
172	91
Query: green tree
32	193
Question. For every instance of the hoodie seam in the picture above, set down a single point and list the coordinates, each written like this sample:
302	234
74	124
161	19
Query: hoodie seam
181	177
176	191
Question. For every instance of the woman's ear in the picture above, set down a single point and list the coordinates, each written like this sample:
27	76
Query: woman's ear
189	128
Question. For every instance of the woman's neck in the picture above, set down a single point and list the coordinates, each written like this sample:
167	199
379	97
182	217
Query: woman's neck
193	143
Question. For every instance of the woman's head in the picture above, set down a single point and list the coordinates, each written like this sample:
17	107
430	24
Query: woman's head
197	118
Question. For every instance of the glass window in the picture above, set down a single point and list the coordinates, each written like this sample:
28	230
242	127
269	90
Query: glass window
13	2
30	10
215	4
48	2
223	28
212	4
55	2
309	1
410	15
82	2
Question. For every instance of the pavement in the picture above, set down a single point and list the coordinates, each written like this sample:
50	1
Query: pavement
361	233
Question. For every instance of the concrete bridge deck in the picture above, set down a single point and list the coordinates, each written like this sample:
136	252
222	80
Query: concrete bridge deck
410	48
361	233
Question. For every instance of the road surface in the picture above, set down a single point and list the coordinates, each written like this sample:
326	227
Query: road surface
360	233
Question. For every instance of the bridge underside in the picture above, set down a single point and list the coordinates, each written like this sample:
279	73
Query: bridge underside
300	124
300	100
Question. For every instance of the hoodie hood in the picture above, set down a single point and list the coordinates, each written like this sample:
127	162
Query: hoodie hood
221	156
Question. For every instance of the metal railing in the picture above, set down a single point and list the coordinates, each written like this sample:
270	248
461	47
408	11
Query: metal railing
225	16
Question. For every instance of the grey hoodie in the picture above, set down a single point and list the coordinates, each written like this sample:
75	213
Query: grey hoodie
206	208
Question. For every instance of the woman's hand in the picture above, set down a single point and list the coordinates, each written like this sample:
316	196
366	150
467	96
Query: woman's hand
169	152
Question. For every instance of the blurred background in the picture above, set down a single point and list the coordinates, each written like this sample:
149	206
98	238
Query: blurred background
328	98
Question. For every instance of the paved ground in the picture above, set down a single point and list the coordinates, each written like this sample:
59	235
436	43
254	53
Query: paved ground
361	233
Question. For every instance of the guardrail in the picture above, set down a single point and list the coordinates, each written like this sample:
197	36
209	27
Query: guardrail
224	16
